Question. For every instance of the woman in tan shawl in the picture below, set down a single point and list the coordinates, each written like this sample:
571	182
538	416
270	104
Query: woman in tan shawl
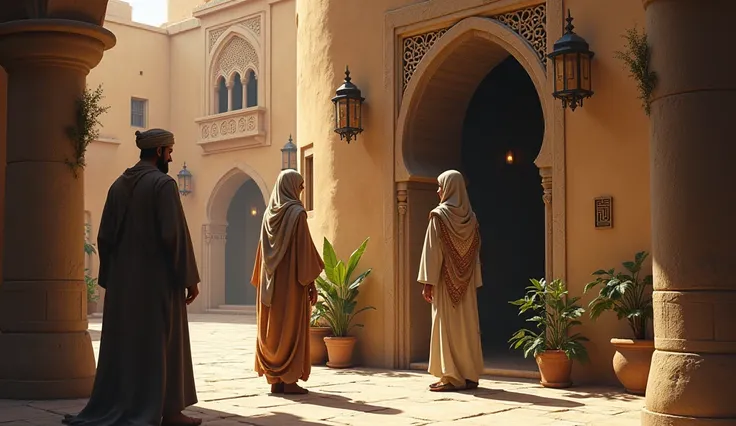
450	272
287	263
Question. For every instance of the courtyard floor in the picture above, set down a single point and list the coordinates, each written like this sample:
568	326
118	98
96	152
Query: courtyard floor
231	394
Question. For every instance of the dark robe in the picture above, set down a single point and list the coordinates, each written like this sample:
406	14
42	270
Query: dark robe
144	369
282	347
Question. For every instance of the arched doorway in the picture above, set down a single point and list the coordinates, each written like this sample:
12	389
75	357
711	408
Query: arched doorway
243	231
230	237
502	135
444	122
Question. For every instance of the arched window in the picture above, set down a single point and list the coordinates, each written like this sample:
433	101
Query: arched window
252	89
237	92
222	96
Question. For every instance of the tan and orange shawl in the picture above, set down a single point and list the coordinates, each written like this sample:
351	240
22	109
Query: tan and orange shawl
459	233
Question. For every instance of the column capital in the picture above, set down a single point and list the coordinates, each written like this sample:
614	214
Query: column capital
52	42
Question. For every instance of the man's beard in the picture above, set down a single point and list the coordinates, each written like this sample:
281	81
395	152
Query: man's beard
162	165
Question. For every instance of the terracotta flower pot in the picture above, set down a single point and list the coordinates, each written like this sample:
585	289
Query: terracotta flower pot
555	368
631	363
317	348
340	351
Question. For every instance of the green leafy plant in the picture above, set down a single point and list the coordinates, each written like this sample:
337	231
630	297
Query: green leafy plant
89	249
91	283
316	318
556	314
338	291
636	57
85	129
624	293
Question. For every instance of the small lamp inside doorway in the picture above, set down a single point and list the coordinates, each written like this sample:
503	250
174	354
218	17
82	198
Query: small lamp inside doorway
288	155
185	181
572	70
348	109
510	157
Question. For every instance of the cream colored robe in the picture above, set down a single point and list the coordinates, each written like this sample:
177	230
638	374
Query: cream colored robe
455	350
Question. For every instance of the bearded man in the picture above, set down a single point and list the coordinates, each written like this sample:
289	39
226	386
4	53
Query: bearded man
147	267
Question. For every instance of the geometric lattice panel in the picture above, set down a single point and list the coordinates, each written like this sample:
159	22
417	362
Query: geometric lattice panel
530	23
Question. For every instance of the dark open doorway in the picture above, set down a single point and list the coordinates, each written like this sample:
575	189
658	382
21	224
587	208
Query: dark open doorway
243	231
502	136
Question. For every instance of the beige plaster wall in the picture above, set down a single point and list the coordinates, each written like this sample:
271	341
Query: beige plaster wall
137	67
175	65
607	153
606	141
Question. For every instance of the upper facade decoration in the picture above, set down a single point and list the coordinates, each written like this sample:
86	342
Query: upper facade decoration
530	23
235	117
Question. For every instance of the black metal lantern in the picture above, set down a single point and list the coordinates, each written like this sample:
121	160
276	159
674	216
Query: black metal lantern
571	60
348	109
185	181
288	155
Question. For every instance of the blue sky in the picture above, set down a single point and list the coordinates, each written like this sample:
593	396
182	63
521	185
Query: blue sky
151	12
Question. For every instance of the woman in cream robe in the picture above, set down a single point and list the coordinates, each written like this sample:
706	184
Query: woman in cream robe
450	272
287	263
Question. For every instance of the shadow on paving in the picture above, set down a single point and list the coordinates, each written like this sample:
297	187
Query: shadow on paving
215	417
607	395
343	403
523	398
374	373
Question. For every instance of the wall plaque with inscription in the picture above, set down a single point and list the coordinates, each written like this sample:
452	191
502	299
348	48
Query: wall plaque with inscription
604	212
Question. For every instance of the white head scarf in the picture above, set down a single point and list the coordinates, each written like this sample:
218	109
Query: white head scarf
279	222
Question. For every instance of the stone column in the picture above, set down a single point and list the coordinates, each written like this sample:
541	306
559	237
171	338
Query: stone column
692	381
45	349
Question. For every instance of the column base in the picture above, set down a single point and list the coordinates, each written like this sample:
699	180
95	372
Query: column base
46	365
649	418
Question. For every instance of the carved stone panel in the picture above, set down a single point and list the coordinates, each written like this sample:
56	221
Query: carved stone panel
604	212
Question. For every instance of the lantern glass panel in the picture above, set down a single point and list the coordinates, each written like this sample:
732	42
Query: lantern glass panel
559	73
284	160
342	113
571	68
585	72
292	160
354	113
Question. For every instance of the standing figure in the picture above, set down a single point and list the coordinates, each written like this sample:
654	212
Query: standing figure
147	267
287	263
450	272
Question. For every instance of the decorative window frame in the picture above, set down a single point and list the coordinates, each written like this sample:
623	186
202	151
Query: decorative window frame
222	36
246	127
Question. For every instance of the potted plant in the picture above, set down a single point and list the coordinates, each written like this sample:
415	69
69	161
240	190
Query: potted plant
317	333
553	347
92	296
626	293
338	292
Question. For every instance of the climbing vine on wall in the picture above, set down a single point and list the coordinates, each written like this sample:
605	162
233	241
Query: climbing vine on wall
636	57
86	128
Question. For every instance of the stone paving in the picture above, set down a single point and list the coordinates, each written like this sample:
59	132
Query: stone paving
231	394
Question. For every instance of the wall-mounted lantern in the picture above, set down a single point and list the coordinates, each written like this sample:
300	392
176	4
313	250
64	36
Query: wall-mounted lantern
185	181
571	58
348	109
288	155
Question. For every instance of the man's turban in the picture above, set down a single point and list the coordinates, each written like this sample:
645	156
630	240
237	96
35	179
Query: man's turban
154	138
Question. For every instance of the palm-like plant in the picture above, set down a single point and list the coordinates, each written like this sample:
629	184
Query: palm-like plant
556	314
624	293
338	291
